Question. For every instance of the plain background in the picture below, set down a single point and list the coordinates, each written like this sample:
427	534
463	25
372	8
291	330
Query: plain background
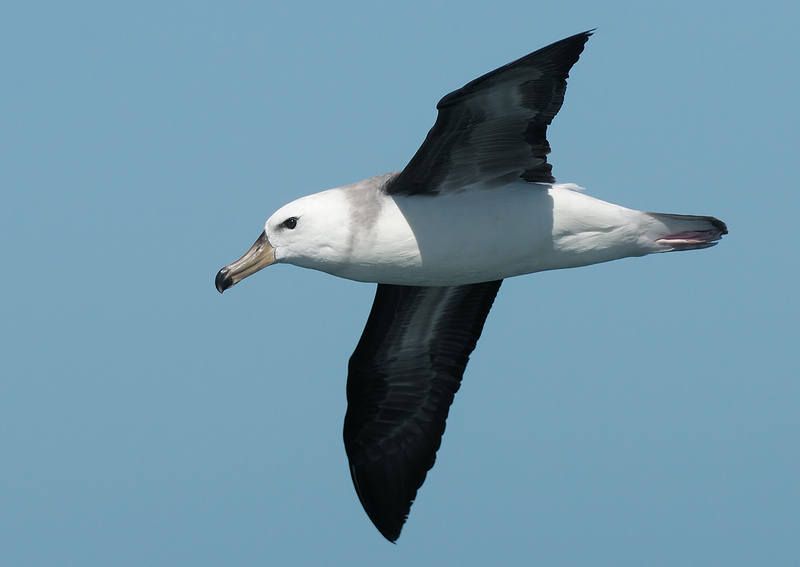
643	412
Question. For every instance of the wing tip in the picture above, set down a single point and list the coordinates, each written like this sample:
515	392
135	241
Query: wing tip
385	518
566	43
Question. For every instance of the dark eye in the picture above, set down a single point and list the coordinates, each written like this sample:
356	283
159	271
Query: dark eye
289	223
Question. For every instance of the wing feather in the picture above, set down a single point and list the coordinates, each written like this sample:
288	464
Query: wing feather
402	378
494	129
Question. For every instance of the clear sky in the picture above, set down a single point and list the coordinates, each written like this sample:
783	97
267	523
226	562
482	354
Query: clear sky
643	412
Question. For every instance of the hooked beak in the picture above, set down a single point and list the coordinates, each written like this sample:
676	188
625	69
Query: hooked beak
260	255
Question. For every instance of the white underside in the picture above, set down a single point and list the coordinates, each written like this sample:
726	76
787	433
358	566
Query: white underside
484	235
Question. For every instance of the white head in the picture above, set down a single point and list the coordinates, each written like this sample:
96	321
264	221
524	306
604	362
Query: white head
312	232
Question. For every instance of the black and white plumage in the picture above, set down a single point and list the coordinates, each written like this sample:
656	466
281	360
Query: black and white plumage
476	204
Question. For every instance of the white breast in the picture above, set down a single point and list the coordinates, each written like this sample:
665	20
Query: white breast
486	235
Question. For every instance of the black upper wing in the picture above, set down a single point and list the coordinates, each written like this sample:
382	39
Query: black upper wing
494	128
402	378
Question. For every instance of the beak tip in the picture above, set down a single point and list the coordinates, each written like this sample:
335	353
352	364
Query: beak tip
223	280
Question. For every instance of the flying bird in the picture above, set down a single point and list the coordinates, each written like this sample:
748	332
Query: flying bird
476	204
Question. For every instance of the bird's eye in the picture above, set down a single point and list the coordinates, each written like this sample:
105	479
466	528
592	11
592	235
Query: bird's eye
289	223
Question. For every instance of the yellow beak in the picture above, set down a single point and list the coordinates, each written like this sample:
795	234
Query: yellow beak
260	255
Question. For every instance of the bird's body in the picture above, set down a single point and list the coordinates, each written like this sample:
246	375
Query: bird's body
474	236
475	205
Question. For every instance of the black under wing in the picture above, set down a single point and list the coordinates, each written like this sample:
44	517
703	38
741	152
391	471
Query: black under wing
402	378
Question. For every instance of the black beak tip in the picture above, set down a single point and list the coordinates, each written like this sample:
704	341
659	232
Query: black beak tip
223	280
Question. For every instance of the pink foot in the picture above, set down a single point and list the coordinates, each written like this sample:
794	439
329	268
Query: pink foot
691	239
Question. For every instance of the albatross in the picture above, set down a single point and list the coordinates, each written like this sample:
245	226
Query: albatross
476	204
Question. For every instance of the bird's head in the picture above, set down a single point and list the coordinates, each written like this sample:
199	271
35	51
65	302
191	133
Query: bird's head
311	232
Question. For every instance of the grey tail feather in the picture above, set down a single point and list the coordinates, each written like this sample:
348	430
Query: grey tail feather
688	232
720	226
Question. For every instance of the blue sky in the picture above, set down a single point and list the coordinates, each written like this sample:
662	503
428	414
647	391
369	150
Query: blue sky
642	412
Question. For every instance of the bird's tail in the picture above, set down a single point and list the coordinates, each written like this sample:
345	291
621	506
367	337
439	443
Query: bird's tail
688	232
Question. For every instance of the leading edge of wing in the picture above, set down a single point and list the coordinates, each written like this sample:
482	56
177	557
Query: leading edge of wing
402	378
